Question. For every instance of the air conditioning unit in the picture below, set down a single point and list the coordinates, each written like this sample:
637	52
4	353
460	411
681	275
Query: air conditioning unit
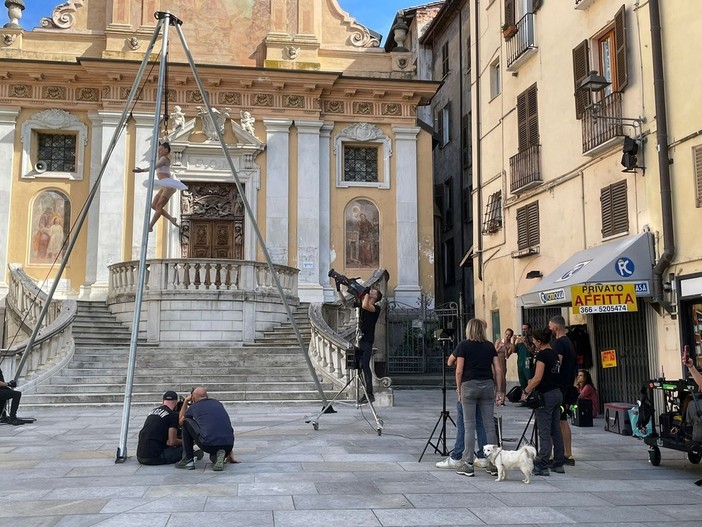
41	166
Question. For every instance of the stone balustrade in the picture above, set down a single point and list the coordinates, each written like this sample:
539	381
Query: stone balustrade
54	345
201	301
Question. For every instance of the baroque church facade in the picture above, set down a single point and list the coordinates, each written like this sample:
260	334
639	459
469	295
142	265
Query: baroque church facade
319	120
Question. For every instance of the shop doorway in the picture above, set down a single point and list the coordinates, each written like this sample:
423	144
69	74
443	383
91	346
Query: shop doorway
626	334
691	328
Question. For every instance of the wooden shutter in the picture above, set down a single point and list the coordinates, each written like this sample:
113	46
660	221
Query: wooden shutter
528	118
510	13
615	210
620	44
581	69
697	157
528	233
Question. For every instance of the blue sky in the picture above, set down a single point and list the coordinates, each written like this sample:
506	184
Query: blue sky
374	14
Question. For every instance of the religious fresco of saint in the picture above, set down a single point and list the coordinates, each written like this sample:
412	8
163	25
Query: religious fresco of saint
362	235
50	221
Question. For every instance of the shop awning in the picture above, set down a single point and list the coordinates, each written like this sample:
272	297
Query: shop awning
627	260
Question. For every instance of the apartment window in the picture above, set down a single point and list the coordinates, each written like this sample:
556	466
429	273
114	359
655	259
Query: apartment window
466	150
615	210
467	205
528	118
495	79
609	49
528	226
510	13
448	204
360	164
469	59
445	59
444	124
57	152
449	263
493	213
53	145
697	158
362	157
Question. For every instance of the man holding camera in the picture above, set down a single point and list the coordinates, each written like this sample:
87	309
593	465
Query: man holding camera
206	423
368	318
8	393
158	439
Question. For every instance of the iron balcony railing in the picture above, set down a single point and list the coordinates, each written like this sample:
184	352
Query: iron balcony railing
522	40
525	169
601	121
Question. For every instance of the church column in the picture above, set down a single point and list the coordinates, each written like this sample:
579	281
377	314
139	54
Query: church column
8	122
325	211
106	217
308	210
142	158
277	188
407	290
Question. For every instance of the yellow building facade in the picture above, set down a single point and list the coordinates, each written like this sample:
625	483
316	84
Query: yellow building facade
586	138
320	122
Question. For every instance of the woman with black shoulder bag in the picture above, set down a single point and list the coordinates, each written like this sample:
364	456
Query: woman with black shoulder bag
548	416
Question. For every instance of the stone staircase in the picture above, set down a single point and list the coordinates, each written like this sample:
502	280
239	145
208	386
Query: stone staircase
271	371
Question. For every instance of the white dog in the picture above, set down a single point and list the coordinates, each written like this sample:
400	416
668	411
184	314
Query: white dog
522	459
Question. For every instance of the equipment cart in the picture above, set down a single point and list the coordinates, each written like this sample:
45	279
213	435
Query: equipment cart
674	429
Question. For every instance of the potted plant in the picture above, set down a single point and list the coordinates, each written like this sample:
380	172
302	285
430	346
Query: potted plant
508	30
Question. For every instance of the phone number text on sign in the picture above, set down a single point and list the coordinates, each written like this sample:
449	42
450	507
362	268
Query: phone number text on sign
589	310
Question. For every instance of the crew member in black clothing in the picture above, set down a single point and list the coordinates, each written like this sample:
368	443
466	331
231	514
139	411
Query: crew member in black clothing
568	371
158	439
206	423
7	393
369	314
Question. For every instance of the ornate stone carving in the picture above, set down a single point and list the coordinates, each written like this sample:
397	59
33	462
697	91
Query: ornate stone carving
55	118
363	132
21	91
63	16
208	126
105	92
291	52
193	96
230	97
362	38
8	39
391	109
263	99
247	122
54	93
14	12
123	93
133	43
293	101
334	106
178	118
362	108
87	94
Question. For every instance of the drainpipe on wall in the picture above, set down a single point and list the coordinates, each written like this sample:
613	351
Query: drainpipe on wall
476	138
663	159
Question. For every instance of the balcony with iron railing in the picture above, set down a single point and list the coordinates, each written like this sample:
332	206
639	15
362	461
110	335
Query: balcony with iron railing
521	45
583	4
602	125
525	169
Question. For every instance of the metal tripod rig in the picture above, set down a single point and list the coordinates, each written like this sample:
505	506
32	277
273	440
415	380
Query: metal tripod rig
165	21
355	378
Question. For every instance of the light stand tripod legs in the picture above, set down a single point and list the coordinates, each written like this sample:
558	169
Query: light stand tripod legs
534	437
441	441
358	386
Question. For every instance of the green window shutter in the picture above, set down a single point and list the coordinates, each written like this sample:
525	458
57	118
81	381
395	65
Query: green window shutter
620	44
581	69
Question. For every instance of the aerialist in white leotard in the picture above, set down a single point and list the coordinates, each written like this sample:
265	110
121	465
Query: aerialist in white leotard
167	183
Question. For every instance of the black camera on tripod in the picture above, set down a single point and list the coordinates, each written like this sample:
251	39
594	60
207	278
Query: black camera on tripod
352	285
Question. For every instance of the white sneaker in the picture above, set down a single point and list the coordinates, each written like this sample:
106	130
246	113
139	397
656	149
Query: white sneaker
449	462
480	462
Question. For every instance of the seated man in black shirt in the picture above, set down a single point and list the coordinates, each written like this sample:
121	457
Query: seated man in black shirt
7	393
158	438
206	423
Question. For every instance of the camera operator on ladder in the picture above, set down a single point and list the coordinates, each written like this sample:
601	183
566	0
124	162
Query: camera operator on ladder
368	317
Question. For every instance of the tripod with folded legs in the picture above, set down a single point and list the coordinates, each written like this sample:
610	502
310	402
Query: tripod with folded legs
355	377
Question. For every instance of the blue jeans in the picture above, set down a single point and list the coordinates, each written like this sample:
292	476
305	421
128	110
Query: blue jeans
457	452
548	424
477	394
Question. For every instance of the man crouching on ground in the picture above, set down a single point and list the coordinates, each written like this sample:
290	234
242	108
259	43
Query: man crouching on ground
206	423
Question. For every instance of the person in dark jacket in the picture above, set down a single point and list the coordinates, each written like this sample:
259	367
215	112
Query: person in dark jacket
206	423
8	393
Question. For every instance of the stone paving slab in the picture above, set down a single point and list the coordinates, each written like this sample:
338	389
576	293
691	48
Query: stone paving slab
61	473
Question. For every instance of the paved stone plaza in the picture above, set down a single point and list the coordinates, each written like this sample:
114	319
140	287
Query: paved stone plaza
60	471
